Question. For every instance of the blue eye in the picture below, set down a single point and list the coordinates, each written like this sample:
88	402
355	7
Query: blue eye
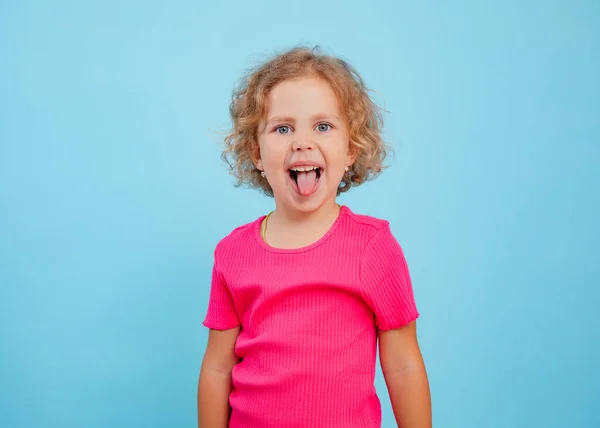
283	129
323	127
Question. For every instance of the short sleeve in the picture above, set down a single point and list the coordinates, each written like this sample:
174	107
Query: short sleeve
386	281
221	313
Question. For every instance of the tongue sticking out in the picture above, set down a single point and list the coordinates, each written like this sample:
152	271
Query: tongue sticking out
307	181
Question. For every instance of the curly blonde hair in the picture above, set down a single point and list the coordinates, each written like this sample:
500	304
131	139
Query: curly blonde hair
248	110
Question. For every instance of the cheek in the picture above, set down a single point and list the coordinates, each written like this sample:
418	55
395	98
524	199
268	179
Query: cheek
339	151
272	150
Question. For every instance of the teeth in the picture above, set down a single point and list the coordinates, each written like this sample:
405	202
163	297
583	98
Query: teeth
304	168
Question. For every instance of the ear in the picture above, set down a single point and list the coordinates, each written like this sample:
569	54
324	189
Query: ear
350	160
259	165
351	157
256	160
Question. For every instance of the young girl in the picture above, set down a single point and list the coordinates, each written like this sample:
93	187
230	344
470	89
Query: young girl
299	297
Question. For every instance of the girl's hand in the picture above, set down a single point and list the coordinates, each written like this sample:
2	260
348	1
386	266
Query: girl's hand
214	385
405	376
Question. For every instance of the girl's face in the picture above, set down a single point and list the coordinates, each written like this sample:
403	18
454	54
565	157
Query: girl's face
304	144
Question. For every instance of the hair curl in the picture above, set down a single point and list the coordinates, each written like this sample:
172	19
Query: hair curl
249	108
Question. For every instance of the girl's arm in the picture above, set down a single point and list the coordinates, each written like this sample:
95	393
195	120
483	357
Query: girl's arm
214	385
405	376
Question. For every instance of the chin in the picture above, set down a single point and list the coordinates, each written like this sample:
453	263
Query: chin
310	205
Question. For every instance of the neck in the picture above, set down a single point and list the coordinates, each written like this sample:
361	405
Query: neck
290	216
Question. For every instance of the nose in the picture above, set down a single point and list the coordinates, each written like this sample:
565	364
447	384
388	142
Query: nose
303	143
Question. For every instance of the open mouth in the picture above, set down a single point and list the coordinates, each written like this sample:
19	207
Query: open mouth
305	179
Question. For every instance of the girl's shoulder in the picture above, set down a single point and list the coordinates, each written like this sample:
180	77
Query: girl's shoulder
366	222
239	236
370	232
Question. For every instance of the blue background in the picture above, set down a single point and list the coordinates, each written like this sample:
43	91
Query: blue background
112	197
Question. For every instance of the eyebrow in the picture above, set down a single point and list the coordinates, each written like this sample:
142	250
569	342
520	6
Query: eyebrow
280	119
318	116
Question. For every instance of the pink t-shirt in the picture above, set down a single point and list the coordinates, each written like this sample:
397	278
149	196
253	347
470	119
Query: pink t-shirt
309	319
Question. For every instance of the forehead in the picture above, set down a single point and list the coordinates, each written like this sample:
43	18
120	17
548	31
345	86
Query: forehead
302	95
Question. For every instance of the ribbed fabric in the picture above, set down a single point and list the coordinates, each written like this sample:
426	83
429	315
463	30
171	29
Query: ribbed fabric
308	318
